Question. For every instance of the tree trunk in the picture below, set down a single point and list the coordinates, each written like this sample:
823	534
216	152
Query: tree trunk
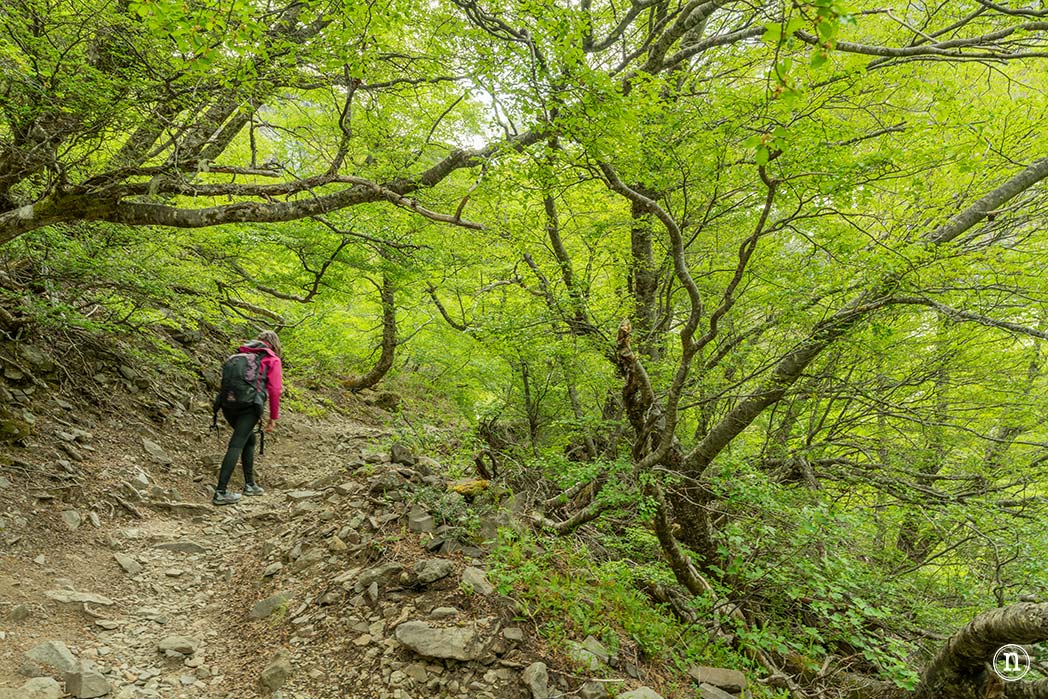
389	342
644	281
960	669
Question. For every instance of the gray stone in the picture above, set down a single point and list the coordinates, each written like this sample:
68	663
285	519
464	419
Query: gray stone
433	569
181	546
593	690
37	360
708	691
157	452
4	483
382	573
731	681
266	607
130	565
444	612
641	693
513	634
456	642
400	454
477	580
276	672
421	522
53	654
296	495
583	657
426	466
390	481
536	679
597	648
36	688
72	519
19	612
74	597
313	555
140	480
86	683
183	645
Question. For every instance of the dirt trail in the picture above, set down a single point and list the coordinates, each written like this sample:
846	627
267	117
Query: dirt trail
181	570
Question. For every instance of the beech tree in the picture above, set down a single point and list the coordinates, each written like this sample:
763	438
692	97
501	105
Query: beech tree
761	218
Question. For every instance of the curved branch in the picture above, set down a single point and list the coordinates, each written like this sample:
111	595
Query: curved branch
960	666
389	342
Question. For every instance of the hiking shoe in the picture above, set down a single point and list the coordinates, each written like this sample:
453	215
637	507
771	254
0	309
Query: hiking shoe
225	498
252	489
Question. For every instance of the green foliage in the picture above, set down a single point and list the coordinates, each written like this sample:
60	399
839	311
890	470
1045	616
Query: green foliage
880	494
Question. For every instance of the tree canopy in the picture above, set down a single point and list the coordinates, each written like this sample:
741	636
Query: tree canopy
773	270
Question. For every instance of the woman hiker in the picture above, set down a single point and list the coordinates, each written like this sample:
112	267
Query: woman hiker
249	377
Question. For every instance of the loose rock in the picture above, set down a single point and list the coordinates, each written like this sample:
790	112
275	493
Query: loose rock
433	569
593	690
182	546
183	645
269	605
731	681
277	672
400	454
74	597
130	565
72	519
477	580
708	691
86	682
157	452
53	654
641	693
536	679
457	642
36	688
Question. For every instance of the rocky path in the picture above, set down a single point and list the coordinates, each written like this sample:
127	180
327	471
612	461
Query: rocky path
360	574
145	608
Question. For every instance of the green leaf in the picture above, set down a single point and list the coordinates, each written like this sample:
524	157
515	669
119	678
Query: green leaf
772	34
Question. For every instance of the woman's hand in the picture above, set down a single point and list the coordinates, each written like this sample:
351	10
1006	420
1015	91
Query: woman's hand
270	424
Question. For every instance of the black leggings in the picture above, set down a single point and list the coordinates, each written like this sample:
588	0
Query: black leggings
241	444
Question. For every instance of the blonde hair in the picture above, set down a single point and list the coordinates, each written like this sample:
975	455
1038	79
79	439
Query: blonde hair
271	339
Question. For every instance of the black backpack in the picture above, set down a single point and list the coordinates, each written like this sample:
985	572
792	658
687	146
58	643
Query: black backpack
243	380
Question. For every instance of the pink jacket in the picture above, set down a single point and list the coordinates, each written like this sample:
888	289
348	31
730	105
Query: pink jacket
274	375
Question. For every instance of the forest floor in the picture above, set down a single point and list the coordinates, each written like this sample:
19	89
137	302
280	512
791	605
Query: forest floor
112	548
363	572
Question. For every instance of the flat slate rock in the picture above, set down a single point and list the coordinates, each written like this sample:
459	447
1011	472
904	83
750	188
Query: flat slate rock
53	654
36	688
178	644
454	642
731	681
264	608
708	691
181	546
477	580
74	597
641	693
